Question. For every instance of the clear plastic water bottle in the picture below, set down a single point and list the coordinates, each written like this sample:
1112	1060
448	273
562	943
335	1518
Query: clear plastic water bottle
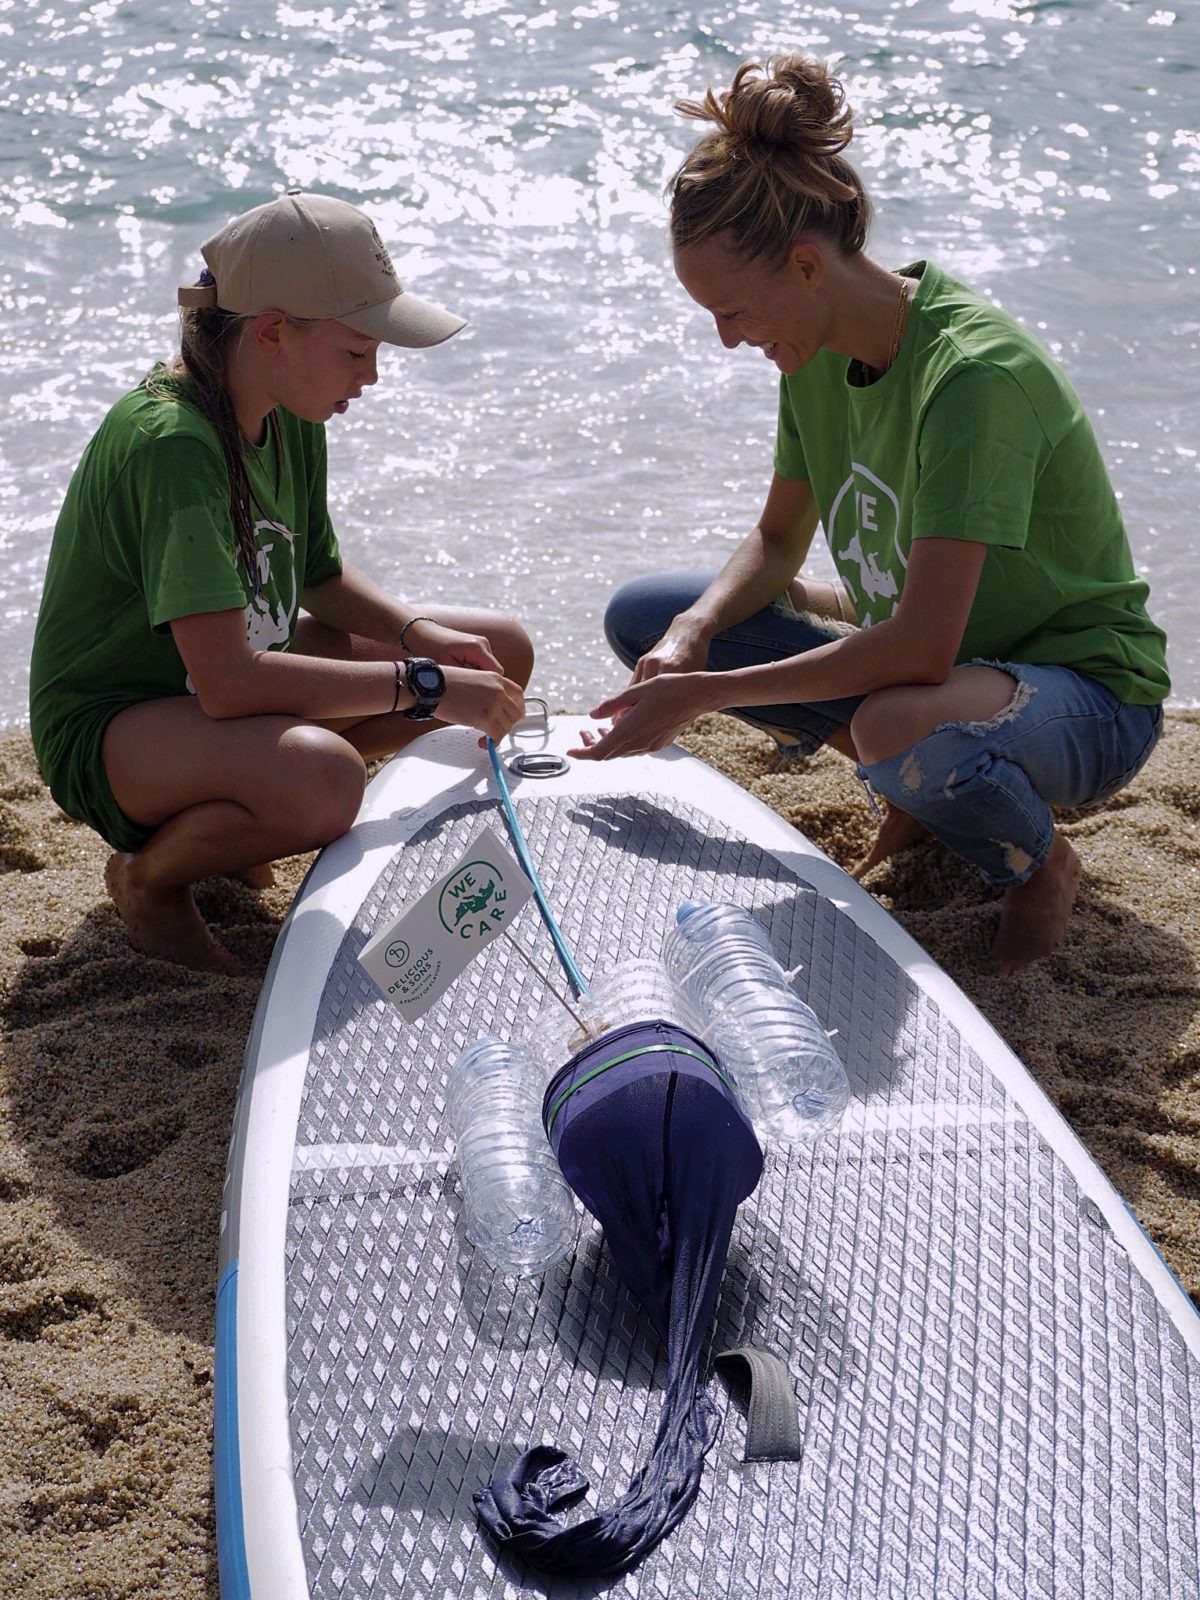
788	1075
518	1208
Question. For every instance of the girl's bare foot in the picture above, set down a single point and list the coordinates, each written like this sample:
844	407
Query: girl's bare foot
1034	915
896	832
260	877
166	925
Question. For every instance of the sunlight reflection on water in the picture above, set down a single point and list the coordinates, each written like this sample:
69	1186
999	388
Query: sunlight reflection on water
586	426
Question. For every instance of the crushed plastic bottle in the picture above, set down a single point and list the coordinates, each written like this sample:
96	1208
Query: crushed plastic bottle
789	1077
518	1208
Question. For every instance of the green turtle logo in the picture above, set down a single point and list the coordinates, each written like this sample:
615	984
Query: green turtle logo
472	903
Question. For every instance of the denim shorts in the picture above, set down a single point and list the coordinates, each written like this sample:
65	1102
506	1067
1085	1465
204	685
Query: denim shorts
985	789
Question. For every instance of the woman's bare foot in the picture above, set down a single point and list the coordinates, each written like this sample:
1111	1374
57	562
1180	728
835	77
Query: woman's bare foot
1034	915
896	832
164	925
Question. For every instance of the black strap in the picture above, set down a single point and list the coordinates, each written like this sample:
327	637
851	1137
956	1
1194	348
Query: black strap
772	1416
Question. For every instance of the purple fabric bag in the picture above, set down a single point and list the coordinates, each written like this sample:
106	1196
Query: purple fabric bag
649	1135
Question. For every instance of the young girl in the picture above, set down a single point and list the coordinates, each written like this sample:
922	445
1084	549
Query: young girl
181	704
1003	661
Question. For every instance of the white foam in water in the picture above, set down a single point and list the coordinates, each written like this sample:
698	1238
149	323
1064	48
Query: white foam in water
587	426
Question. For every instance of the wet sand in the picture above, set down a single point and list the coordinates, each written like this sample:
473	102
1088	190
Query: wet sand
118	1077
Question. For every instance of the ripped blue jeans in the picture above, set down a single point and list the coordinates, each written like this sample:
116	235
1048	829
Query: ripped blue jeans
985	789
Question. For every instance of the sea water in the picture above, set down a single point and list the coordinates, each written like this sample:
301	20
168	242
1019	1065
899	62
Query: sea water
587	425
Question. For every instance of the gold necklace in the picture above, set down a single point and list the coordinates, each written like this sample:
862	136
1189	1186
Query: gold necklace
898	328
901	322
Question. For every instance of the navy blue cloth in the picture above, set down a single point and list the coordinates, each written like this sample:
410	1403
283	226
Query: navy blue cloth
651	1139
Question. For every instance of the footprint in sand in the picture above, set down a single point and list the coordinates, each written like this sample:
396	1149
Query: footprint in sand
111	1149
26	1317
15	858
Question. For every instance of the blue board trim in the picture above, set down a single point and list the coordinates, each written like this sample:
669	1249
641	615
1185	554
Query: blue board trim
227	1467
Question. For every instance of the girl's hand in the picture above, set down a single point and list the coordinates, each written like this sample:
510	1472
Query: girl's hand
480	699
450	648
646	716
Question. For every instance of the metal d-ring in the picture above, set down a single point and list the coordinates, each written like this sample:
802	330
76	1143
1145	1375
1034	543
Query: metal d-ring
535	763
538	764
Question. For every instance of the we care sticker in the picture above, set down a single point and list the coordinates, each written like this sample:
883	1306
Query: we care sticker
414	959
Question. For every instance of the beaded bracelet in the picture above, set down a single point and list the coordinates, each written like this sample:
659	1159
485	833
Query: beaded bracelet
410	623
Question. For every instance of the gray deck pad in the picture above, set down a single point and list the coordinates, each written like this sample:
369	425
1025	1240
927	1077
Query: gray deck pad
993	1403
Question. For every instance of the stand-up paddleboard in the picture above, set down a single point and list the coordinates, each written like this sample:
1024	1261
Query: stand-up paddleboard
998	1378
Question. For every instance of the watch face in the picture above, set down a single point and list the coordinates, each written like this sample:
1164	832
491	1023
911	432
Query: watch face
427	680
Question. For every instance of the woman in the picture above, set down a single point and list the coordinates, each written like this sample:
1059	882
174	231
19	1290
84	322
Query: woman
180	703
1003	661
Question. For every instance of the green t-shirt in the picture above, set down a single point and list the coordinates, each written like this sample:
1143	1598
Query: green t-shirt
146	535
975	433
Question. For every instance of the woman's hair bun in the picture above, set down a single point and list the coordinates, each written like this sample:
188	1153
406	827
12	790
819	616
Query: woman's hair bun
770	168
790	104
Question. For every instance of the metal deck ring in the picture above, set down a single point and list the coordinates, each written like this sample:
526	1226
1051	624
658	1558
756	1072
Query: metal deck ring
538	764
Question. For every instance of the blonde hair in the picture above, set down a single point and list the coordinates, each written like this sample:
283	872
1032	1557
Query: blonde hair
772	168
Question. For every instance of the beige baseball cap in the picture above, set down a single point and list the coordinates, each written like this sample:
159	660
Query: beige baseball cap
312	256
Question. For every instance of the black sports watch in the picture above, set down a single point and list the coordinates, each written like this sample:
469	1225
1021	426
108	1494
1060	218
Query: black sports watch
427	685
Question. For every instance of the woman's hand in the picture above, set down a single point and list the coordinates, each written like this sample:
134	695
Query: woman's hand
450	648
480	699
683	648
647	716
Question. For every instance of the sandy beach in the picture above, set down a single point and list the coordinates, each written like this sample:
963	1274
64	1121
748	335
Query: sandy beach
118	1077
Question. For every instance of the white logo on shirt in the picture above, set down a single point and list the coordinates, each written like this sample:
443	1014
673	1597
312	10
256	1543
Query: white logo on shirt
865	537
872	580
269	618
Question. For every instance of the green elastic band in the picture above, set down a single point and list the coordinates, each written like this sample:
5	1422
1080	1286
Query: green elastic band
631	1055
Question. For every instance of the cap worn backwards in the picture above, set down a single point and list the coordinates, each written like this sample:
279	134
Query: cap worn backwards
314	257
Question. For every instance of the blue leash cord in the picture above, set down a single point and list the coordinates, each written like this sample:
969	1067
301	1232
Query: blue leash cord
576	979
